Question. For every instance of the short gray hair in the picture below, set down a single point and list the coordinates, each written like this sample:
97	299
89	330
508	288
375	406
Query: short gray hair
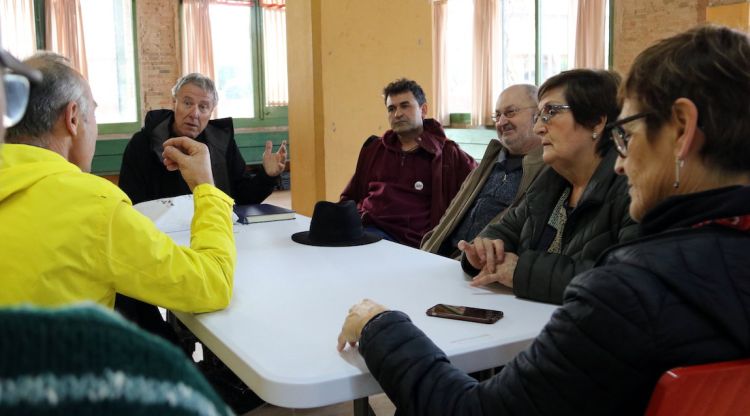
60	85
199	80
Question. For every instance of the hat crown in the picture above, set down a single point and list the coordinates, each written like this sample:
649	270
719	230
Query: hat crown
335	225
335	222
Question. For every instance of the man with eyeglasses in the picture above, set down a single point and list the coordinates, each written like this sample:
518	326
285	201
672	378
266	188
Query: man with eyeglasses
508	167
69	236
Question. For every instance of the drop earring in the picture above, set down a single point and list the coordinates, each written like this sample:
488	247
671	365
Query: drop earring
594	136
678	164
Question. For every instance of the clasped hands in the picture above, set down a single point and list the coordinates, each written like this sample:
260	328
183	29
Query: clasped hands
191	158
494	263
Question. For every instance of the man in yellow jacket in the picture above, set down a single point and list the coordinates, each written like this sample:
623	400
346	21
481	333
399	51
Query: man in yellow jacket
69	236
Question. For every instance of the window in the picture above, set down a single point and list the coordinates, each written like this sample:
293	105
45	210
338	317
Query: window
274	53
231	37
531	41
247	60
108	35
17	25
515	53
97	37
558	40
459	15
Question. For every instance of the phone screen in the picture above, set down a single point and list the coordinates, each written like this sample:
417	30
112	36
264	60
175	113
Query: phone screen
465	313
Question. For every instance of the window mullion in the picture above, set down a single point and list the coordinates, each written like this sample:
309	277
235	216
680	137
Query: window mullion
538	42
39	16
611	28
257	53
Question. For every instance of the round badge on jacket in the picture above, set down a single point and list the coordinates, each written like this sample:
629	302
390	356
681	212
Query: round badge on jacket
418	185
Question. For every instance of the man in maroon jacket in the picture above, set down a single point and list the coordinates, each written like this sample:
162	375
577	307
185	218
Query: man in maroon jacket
405	180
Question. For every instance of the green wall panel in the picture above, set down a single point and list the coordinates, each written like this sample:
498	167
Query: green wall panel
108	155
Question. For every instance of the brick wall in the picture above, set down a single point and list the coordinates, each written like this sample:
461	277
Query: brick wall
158	51
638	23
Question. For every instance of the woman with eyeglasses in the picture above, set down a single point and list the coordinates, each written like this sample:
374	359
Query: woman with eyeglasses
677	296
575	209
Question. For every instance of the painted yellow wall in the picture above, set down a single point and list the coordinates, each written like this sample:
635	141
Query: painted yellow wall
736	16
341	55
305	108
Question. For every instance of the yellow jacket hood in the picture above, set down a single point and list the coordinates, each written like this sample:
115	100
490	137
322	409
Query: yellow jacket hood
21	166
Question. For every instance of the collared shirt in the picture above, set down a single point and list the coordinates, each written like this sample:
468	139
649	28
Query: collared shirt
497	194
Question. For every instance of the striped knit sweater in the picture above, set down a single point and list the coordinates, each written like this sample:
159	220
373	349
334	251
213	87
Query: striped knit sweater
86	360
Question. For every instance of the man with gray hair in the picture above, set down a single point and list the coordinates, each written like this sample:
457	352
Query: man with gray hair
143	177
69	236
142	174
508	167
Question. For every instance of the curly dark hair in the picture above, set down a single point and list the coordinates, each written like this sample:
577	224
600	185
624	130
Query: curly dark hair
403	85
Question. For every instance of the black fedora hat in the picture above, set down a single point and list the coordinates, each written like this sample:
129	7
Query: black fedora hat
335	225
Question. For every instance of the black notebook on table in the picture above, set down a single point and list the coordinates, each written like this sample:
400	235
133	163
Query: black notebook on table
253	213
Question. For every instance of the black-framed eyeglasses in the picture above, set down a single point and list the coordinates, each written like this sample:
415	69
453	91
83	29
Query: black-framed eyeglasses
509	113
619	135
17	79
549	111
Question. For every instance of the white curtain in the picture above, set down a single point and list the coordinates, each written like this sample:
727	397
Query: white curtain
482	99
64	26
274	52
197	48
17	25
590	34
440	80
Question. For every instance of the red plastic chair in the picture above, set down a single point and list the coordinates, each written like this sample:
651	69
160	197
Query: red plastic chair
708	389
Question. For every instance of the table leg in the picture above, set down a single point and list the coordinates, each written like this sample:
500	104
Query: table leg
362	407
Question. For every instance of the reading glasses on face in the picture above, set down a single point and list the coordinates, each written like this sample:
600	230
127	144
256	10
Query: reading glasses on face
549	111
508	113
620	136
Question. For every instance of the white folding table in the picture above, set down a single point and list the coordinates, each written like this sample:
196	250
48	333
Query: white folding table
279	332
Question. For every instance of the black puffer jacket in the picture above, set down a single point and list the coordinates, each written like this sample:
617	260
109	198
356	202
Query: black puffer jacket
143	176
599	221
679	296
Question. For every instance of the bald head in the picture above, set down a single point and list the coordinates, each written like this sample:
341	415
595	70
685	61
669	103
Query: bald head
514	111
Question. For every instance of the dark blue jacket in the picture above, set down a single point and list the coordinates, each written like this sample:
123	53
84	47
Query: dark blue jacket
677	296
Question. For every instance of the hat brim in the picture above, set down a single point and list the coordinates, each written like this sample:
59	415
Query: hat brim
304	238
10	62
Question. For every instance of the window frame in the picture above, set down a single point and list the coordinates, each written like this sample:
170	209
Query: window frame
119	129
264	116
538	33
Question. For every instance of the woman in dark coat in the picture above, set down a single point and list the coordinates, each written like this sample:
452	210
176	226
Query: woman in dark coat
677	296
575	209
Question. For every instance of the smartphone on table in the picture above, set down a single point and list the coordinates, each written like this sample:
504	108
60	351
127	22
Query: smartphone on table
465	313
